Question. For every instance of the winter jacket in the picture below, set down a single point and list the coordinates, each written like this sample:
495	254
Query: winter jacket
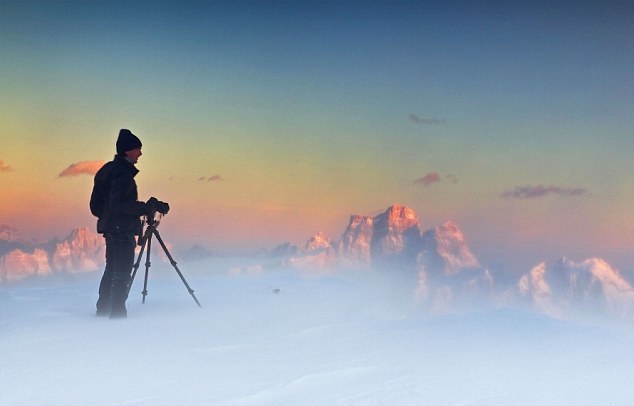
114	198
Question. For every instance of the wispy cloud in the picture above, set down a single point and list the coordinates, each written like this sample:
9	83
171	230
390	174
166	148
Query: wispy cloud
429	179
81	168
214	178
422	120
5	168
532	192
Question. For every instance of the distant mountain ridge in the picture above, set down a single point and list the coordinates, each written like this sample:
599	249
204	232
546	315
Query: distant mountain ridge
392	238
565	288
436	265
447	276
81	251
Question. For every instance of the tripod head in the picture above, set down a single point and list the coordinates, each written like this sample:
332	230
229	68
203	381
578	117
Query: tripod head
151	218
152	223
155	206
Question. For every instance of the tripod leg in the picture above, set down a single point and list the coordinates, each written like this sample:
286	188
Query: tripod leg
148	263
189	289
145	238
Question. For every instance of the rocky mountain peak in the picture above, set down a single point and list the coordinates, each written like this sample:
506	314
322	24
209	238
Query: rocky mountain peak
397	217
354	245
396	233
445	245
591	285
318	242
82	250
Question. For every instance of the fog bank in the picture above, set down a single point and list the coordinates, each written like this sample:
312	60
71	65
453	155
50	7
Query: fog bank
280	337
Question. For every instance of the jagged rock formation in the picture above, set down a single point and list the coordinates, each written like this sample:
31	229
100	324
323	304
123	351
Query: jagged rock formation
449	275
81	251
318	253
318	243
569	288
18	264
355	245
437	266
444	248
392	236
396	236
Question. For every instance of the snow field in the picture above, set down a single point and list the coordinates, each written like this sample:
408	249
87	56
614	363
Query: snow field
279	338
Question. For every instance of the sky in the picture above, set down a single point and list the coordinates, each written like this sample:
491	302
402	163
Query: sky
266	122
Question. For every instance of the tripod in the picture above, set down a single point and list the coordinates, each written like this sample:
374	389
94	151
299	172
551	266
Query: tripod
146	241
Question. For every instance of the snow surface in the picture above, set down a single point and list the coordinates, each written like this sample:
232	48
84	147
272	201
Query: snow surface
278	337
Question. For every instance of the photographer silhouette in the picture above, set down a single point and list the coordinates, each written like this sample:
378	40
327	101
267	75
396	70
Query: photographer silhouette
114	200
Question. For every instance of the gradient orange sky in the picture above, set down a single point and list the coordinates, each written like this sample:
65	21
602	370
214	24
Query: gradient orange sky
267	122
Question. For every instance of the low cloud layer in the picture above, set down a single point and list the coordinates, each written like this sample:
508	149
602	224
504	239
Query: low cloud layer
433	177
81	168
213	178
429	179
422	120
532	192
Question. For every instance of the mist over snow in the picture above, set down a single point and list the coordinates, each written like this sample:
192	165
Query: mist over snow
272	336
391	313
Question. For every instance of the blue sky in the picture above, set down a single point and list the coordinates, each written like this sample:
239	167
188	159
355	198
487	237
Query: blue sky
303	113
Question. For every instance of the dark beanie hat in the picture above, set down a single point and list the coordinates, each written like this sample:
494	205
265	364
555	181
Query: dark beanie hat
127	142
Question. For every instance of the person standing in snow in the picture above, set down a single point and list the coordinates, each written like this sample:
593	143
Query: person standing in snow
114	200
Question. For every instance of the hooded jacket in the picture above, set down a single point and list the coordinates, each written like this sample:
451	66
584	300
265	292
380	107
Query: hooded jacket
114	198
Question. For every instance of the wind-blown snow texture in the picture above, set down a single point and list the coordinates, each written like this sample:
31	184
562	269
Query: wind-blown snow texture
278	337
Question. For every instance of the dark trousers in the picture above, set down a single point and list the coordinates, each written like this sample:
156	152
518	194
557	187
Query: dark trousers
113	289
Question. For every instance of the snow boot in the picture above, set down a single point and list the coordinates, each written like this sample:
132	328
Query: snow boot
103	303
103	307
119	294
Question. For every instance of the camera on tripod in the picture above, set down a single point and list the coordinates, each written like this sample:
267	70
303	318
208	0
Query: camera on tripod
156	206
153	206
